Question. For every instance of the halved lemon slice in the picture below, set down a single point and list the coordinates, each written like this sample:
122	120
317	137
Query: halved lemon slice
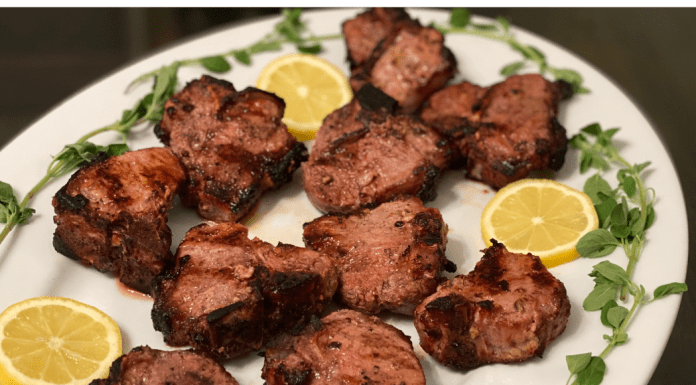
311	87
539	216
52	340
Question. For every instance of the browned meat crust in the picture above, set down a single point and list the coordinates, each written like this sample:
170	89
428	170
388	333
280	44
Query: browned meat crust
229	295
144	365
364	155
505	131
232	144
508	309
345	347
396	266
112	214
409	61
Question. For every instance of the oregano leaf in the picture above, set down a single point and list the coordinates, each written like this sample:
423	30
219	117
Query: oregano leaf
578	362
217	64
670	288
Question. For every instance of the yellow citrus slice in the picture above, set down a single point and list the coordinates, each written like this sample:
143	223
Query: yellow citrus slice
539	216
311	87
52	340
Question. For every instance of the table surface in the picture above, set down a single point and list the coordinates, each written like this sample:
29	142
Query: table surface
47	55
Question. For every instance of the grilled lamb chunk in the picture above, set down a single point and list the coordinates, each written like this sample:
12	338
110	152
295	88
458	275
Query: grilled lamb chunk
504	131
508	309
389	258
229	295
144	365
409	64
345	347
364	155
112	214
367	29
232	144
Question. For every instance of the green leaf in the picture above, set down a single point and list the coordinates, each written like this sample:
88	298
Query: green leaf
604	138
597	243
536	54
629	186
640	167
116	149
578	362
612	272
593	129
217	64
6	192
599	296
460	17
242	57
310	49
505	23
593	374
519	48
604	210
568	75
670	288
605	309
594	185
616	315
512	68
650	218
620	338
619	216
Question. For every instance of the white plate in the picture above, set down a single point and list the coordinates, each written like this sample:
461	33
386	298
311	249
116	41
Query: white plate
30	267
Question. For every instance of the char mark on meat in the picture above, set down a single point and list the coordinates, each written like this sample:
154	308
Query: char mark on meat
506	131
395	268
229	295
112	214
349	348
233	146
363	157
145	365
399	48
508	309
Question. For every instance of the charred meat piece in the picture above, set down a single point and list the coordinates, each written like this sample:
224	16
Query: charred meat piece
364	155
408	64
144	365
505	131
508	309
367	29
112	214
389	258
229	295
232	144
345	347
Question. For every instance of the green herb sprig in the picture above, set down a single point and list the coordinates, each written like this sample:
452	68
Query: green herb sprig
290	30
625	214
460	22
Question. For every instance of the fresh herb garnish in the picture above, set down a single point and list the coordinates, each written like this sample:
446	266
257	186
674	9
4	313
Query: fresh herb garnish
290	30
625	214
460	22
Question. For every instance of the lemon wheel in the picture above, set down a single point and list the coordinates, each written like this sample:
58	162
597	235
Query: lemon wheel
53	340
539	216
311	88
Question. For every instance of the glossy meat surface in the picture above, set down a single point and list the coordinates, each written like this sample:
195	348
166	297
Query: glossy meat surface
232	144
389	258
364	154
345	347
144	365
505	131
112	214
508	309
229	295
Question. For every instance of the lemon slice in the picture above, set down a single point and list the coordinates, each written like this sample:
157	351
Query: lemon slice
311	88
52	340
539	216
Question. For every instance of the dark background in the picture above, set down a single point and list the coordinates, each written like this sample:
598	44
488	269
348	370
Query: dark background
47	55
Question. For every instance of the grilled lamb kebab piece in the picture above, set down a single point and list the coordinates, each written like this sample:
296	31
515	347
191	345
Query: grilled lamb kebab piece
232	144
389	258
508	309
229	295
345	347
112	214
504	131
144	365
408	61
365	154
